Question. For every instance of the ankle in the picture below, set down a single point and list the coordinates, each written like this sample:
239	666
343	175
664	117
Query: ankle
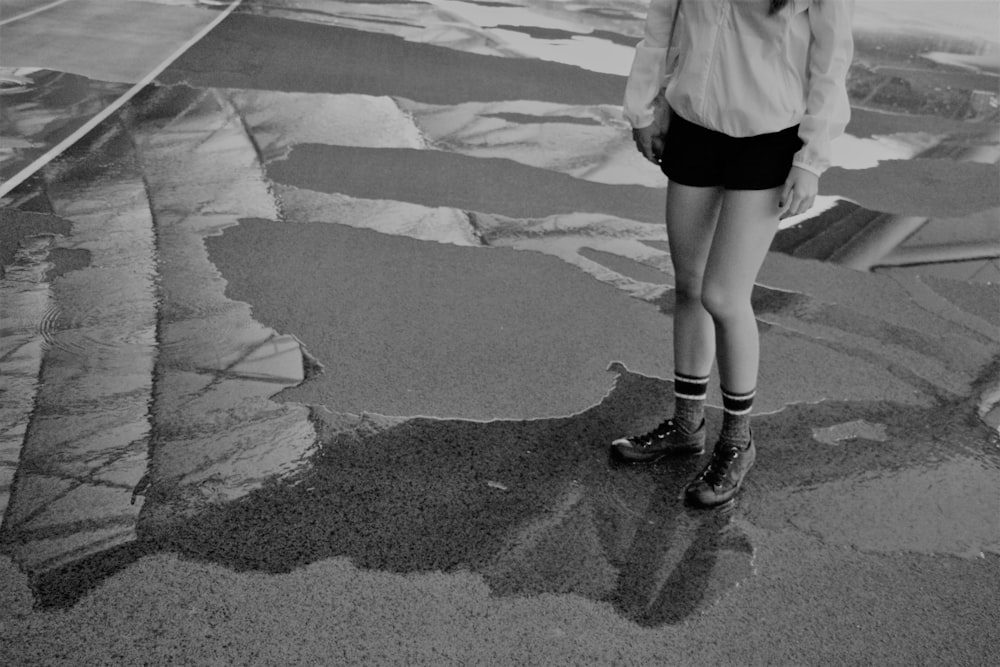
687	423
734	441
689	401
736	418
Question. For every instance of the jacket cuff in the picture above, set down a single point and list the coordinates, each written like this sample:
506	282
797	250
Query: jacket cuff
644	82
812	167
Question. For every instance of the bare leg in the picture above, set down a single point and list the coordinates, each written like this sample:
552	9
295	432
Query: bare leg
747	224
718	240
692	214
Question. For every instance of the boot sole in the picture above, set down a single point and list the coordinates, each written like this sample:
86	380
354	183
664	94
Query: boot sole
671	453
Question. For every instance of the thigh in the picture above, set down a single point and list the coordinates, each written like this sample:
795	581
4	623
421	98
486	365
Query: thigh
748	221
692	213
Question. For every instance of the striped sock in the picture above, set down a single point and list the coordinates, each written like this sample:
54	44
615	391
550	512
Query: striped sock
689	401
736	418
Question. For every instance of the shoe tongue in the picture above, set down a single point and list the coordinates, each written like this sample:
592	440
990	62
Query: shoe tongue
725	446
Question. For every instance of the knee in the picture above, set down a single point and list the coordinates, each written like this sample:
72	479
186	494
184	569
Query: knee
724	305
687	289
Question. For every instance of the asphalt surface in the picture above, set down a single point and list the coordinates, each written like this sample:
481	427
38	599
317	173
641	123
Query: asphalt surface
316	344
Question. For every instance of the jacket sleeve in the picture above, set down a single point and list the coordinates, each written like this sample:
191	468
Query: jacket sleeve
827	107
649	65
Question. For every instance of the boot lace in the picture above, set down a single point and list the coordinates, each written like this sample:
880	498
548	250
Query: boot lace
659	433
722	459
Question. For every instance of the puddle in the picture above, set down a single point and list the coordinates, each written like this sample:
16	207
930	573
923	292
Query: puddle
41	107
24	299
217	435
439	224
623	538
989	406
153	425
588	142
435	178
536	507
585	34
858	429
149	381
898	478
852	152
532	506
85	437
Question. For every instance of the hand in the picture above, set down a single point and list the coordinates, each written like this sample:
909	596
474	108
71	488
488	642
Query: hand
798	193
649	141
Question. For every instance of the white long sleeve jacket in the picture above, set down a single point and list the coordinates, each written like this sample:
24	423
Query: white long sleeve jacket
744	72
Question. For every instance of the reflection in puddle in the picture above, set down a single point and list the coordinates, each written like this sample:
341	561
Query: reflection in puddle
441	224
533	506
44	108
588	142
564	236
153	384
832	435
280	120
217	433
154	427
412	497
989	405
945	507
85	443
594	147
24	301
852	152
584	34
596	53
625	539
931	485
277	359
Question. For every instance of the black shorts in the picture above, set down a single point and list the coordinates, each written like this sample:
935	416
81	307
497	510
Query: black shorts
694	155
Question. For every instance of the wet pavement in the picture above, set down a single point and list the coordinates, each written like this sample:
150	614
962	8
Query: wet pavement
377	305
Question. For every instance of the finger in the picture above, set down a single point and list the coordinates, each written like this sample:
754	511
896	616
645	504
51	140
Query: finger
657	145
785	200
803	204
786	195
640	144
647	150
793	203
644	149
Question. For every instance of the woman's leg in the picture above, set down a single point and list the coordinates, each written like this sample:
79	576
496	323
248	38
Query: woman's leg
692	215
747	224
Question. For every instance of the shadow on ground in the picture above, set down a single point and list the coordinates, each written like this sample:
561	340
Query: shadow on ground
537	507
